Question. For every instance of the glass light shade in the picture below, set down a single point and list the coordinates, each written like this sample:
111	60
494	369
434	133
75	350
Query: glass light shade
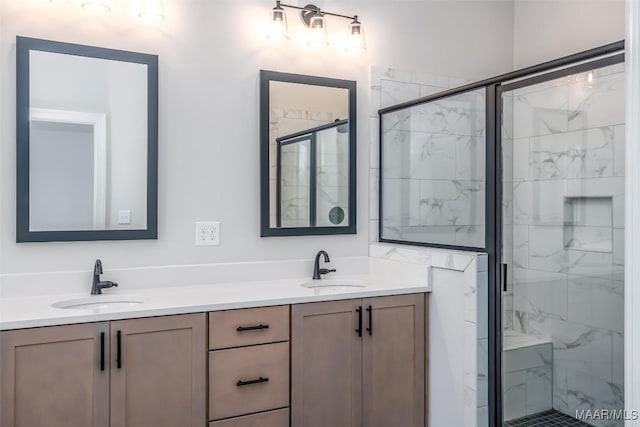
151	10
97	6
278	24
355	38
317	32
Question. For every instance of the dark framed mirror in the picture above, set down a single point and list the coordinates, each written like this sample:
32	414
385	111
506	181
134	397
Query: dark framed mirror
87	143
307	155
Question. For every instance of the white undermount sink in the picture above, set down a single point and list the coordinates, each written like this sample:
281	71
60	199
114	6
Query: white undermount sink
334	284
100	302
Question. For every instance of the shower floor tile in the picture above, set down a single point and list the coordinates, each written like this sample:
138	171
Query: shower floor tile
550	418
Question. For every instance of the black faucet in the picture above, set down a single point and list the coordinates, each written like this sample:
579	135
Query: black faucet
99	285
317	271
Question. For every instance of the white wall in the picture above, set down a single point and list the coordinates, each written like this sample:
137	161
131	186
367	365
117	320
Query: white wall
210	53
548	29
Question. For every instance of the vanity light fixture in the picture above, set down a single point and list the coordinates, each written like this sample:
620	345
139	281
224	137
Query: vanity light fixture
97	6
151	11
278	24
314	19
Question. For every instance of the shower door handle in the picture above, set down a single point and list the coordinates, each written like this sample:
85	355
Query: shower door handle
503	277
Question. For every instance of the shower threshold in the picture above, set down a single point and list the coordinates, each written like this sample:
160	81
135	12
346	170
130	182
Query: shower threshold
550	418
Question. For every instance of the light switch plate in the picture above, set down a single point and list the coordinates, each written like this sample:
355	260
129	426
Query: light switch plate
207	233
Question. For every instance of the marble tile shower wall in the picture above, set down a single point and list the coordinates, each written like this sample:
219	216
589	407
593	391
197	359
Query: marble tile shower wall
295	195
434	171
566	216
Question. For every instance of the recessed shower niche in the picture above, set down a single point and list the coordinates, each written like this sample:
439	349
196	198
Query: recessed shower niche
588	224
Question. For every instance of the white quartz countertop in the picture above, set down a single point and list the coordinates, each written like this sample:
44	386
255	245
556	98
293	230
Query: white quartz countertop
36	311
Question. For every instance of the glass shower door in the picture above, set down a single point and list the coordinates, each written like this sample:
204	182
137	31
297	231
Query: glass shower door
563	246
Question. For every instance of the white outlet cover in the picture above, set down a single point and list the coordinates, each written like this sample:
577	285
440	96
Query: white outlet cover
207	233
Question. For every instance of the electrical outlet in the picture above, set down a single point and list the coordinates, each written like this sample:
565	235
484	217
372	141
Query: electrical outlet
207	233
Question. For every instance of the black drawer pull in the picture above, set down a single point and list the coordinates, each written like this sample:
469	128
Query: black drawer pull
370	328
251	328
241	383
359	330
102	351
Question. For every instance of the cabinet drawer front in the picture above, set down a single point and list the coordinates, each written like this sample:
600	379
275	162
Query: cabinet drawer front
247	380
277	418
237	328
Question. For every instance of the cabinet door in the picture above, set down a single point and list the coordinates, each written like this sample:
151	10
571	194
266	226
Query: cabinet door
326	370
52	376
393	357
160	379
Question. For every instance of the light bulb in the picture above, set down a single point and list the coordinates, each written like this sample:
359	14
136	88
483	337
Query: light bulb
151	11
97	6
355	38
278	24
317	31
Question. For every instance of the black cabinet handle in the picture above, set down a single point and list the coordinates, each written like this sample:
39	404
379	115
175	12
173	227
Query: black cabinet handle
119	350
370	328
252	328
102	351
359	330
241	383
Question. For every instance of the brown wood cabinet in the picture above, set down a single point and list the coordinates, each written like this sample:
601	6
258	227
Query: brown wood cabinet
74	375
359	362
52	377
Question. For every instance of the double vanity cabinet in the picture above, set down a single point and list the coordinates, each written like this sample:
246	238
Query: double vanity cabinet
350	362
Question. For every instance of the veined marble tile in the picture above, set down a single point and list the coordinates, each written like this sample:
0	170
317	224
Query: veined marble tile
472	236
524	358
618	150
588	211
507	160
532	323
402	254
560	391
374	194
601	187
396	152
426	90
439	234
546	249
617	375
441	82
394	92
539	389
507	116
599	103
483	372
432	156
583	154
590	393
374	148
592	239
546	298
618	246
520	160
470	158
507	204
399	195
396	121
597	303
507	312
540	113
515	395
451	203
461	114
520	246
470	364
582	348
538	202
591	264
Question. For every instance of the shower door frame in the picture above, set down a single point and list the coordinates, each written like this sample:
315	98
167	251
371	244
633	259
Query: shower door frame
494	87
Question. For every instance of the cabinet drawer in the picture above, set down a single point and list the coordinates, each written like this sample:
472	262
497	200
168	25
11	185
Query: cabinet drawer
277	418
237	328
247	380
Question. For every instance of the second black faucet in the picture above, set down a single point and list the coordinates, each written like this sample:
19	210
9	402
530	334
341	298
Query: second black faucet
317	271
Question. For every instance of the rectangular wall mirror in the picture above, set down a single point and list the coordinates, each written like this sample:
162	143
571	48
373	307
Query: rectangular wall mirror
308	155
87	143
